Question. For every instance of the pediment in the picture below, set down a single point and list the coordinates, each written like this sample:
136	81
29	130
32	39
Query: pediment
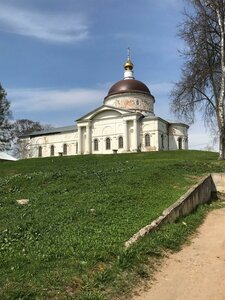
104	112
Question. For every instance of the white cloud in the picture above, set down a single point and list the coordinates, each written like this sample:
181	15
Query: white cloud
200	137
39	100
200	140
161	92
64	28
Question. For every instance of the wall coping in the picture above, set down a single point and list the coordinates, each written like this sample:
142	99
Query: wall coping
198	194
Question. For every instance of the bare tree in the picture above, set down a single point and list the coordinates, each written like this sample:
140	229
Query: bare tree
202	84
24	127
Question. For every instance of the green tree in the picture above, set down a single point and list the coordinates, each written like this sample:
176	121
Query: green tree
5	127
202	84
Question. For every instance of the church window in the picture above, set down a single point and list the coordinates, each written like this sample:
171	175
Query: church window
180	143
95	145
40	151
52	150
65	149
120	144
147	140
108	144
162	141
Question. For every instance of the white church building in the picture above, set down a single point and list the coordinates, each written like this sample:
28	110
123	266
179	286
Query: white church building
125	123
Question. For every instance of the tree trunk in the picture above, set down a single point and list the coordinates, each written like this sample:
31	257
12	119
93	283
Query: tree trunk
221	120
222	145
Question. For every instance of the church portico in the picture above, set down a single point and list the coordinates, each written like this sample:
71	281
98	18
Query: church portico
125	123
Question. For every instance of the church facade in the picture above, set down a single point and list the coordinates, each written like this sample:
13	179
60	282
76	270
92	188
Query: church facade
125	123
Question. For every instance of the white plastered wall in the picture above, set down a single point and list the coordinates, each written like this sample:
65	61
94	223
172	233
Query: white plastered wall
56	140
176	132
107	126
149	127
112	124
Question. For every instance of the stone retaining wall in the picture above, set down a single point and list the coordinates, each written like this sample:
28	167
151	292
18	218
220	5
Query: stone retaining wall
218	182
198	194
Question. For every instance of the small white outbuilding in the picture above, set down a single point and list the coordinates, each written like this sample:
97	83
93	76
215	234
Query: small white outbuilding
5	156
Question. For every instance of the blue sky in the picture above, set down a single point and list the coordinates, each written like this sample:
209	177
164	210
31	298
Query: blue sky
58	58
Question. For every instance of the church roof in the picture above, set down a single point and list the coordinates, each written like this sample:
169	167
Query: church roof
51	131
128	86
170	122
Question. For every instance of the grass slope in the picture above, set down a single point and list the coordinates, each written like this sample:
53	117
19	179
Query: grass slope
68	242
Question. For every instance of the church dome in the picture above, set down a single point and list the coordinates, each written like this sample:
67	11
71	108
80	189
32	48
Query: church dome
128	86
129	93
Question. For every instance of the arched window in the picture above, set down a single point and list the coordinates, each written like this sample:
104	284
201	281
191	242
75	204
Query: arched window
120	143
39	151
107	144
65	149
95	145
52	150
147	140
162	141
180	143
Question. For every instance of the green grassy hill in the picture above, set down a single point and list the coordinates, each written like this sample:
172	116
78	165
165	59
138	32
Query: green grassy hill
67	243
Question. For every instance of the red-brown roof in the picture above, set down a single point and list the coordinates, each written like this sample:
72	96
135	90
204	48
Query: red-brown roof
128	86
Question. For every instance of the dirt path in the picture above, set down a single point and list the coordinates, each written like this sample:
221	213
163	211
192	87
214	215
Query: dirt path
198	270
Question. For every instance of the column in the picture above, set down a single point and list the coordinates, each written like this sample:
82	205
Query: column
79	140
184	146
135	135
125	143
88	135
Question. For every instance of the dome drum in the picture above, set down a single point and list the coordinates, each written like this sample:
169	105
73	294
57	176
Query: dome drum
132	101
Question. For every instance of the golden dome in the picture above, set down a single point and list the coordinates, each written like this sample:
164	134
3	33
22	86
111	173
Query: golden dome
128	64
